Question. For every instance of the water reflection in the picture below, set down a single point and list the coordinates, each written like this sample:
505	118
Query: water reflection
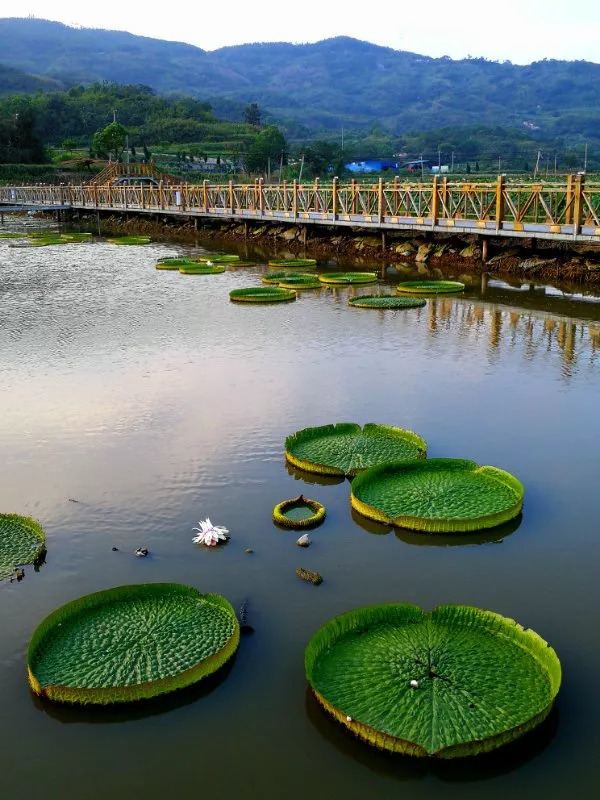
404	768
490	536
313	477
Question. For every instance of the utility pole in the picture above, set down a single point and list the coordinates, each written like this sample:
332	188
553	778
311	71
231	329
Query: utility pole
452	162
537	164
114	115
585	158
499	164
555	163
342	138
422	168
547	162
301	168
439	159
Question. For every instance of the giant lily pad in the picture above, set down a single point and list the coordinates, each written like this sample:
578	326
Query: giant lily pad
292	263
132	240
438	495
275	278
21	542
430	287
221	259
300	282
130	643
347	449
195	268
456	681
174	263
385	301
345	278
262	294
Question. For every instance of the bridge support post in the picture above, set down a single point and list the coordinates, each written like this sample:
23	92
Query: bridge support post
245	229
577	204
435	199
484	250
261	196
383	240
231	202
354	198
380	201
205	195
499	202
295	201
334	199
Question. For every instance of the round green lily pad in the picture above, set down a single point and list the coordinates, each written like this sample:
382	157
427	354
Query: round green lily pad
174	263
299	512
22	539
457	681
385	301
262	294
347	449
130	240
196	268
275	278
300	282
430	287
438	495
220	259
13	235
347	277
292	263
130	643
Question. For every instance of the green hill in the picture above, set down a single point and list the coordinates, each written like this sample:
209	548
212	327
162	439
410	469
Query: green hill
15	81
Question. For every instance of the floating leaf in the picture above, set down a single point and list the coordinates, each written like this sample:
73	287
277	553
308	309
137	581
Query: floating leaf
454	682
346	449
438	495
130	643
385	301
348	277
275	278
430	287
299	512
221	259
292	263
262	294
195	268
21	541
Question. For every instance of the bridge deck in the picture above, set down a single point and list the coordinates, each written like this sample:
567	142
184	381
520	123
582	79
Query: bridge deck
567	211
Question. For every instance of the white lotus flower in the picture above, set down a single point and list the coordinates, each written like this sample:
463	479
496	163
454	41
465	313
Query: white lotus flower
210	534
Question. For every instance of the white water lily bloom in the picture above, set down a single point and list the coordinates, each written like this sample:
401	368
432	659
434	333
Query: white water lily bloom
210	534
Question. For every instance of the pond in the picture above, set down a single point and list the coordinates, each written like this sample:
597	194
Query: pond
135	402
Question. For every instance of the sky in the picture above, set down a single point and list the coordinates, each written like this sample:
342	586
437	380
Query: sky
520	31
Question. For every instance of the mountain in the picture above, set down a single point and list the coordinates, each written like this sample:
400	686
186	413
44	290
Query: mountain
15	81
335	82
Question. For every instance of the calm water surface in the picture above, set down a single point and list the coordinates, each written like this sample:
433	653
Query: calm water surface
134	402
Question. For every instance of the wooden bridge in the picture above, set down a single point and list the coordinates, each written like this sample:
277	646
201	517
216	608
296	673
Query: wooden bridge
567	211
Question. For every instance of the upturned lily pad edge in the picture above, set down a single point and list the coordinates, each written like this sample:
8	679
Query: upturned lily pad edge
140	691
368	616
344	428
316	518
440	524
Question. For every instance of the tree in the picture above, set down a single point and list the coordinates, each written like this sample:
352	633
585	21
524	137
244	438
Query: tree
110	142
147	153
323	157
468	170
252	115
69	144
269	145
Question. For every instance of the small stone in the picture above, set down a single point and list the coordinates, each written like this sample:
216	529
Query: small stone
114	549
414	684
248	550
303	541
141	552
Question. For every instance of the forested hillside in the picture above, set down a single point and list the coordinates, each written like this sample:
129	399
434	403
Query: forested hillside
325	85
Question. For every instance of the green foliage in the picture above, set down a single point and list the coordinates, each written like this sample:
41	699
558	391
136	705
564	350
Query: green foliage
131	642
252	115
438	495
19	142
262	294
312	513
110	141
430	287
457	681
309	576
22	539
347	277
269	147
385	301
346	449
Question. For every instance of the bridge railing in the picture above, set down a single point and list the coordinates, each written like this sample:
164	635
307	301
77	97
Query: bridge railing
567	207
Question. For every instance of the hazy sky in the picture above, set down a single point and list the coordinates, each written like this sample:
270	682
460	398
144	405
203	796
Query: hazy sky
518	30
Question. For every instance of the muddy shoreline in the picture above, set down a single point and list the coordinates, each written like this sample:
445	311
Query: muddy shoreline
529	258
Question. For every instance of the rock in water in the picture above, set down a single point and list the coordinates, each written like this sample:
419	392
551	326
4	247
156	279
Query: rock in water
303	541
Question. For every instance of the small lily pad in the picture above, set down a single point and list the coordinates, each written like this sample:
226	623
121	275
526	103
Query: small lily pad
343	278
430	287
385	301
262	294
299	512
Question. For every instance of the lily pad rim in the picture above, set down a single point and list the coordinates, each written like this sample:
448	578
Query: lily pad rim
261	294
526	638
35	527
318	515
